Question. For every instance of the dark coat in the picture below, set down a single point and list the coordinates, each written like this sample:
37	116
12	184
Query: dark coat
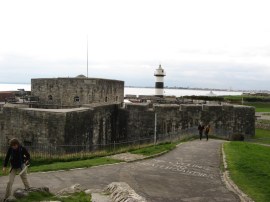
17	157
200	128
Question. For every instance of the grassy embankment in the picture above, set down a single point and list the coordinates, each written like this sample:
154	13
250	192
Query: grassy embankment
249	166
163	147
262	136
155	149
260	107
50	164
261	103
81	197
71	164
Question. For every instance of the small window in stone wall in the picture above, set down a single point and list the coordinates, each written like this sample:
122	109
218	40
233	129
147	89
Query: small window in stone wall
50	98
116	98
106	99
76	99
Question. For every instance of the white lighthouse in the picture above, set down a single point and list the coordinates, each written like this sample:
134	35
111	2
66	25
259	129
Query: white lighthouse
159	74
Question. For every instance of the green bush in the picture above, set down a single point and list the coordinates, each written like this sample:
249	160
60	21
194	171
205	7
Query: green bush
205	98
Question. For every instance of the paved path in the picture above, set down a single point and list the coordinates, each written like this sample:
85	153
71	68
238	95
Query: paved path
191	172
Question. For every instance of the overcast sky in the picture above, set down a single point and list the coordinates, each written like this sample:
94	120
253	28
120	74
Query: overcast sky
200	43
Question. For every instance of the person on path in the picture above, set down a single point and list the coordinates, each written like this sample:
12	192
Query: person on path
207	130
200	129
19	158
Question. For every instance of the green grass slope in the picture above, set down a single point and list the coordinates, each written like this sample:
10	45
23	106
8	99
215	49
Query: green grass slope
249	166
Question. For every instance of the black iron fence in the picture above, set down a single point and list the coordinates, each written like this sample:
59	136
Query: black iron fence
67	152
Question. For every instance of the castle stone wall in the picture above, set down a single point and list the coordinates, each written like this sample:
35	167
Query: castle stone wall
32	127
95	126
139	122
102	124
80	126
225	120
72	92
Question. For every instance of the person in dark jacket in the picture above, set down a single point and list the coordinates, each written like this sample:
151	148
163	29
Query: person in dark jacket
19	158
200	129
207	130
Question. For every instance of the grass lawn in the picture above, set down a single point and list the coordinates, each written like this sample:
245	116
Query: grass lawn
73	164
42	167
162	147
249	166
33	197
155	149
234	98
48	164
260	107
262	136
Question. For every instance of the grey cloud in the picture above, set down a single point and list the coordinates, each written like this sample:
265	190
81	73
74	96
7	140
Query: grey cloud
19	69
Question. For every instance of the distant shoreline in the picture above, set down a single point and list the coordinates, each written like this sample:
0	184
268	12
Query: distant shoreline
182	88
174	88
203	89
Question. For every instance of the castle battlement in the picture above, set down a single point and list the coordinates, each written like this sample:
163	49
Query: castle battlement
75	92
91	111
105	123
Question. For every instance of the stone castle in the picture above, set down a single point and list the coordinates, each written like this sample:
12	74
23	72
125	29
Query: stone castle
74	92
90	111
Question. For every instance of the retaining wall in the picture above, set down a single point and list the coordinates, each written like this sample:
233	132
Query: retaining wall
107	123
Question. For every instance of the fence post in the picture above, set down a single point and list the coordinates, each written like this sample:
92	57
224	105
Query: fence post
155	134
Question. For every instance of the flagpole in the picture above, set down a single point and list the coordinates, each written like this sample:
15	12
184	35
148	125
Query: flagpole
87	55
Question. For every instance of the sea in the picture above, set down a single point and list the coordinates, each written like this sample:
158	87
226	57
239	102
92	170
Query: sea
137	91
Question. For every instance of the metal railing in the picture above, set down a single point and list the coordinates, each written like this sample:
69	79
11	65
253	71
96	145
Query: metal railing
68	152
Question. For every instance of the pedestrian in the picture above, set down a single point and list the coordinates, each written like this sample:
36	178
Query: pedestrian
200	129
207	130
19	158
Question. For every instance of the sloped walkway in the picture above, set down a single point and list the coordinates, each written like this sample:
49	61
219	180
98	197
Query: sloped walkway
191	172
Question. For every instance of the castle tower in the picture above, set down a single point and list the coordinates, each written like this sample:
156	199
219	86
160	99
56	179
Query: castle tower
159	74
